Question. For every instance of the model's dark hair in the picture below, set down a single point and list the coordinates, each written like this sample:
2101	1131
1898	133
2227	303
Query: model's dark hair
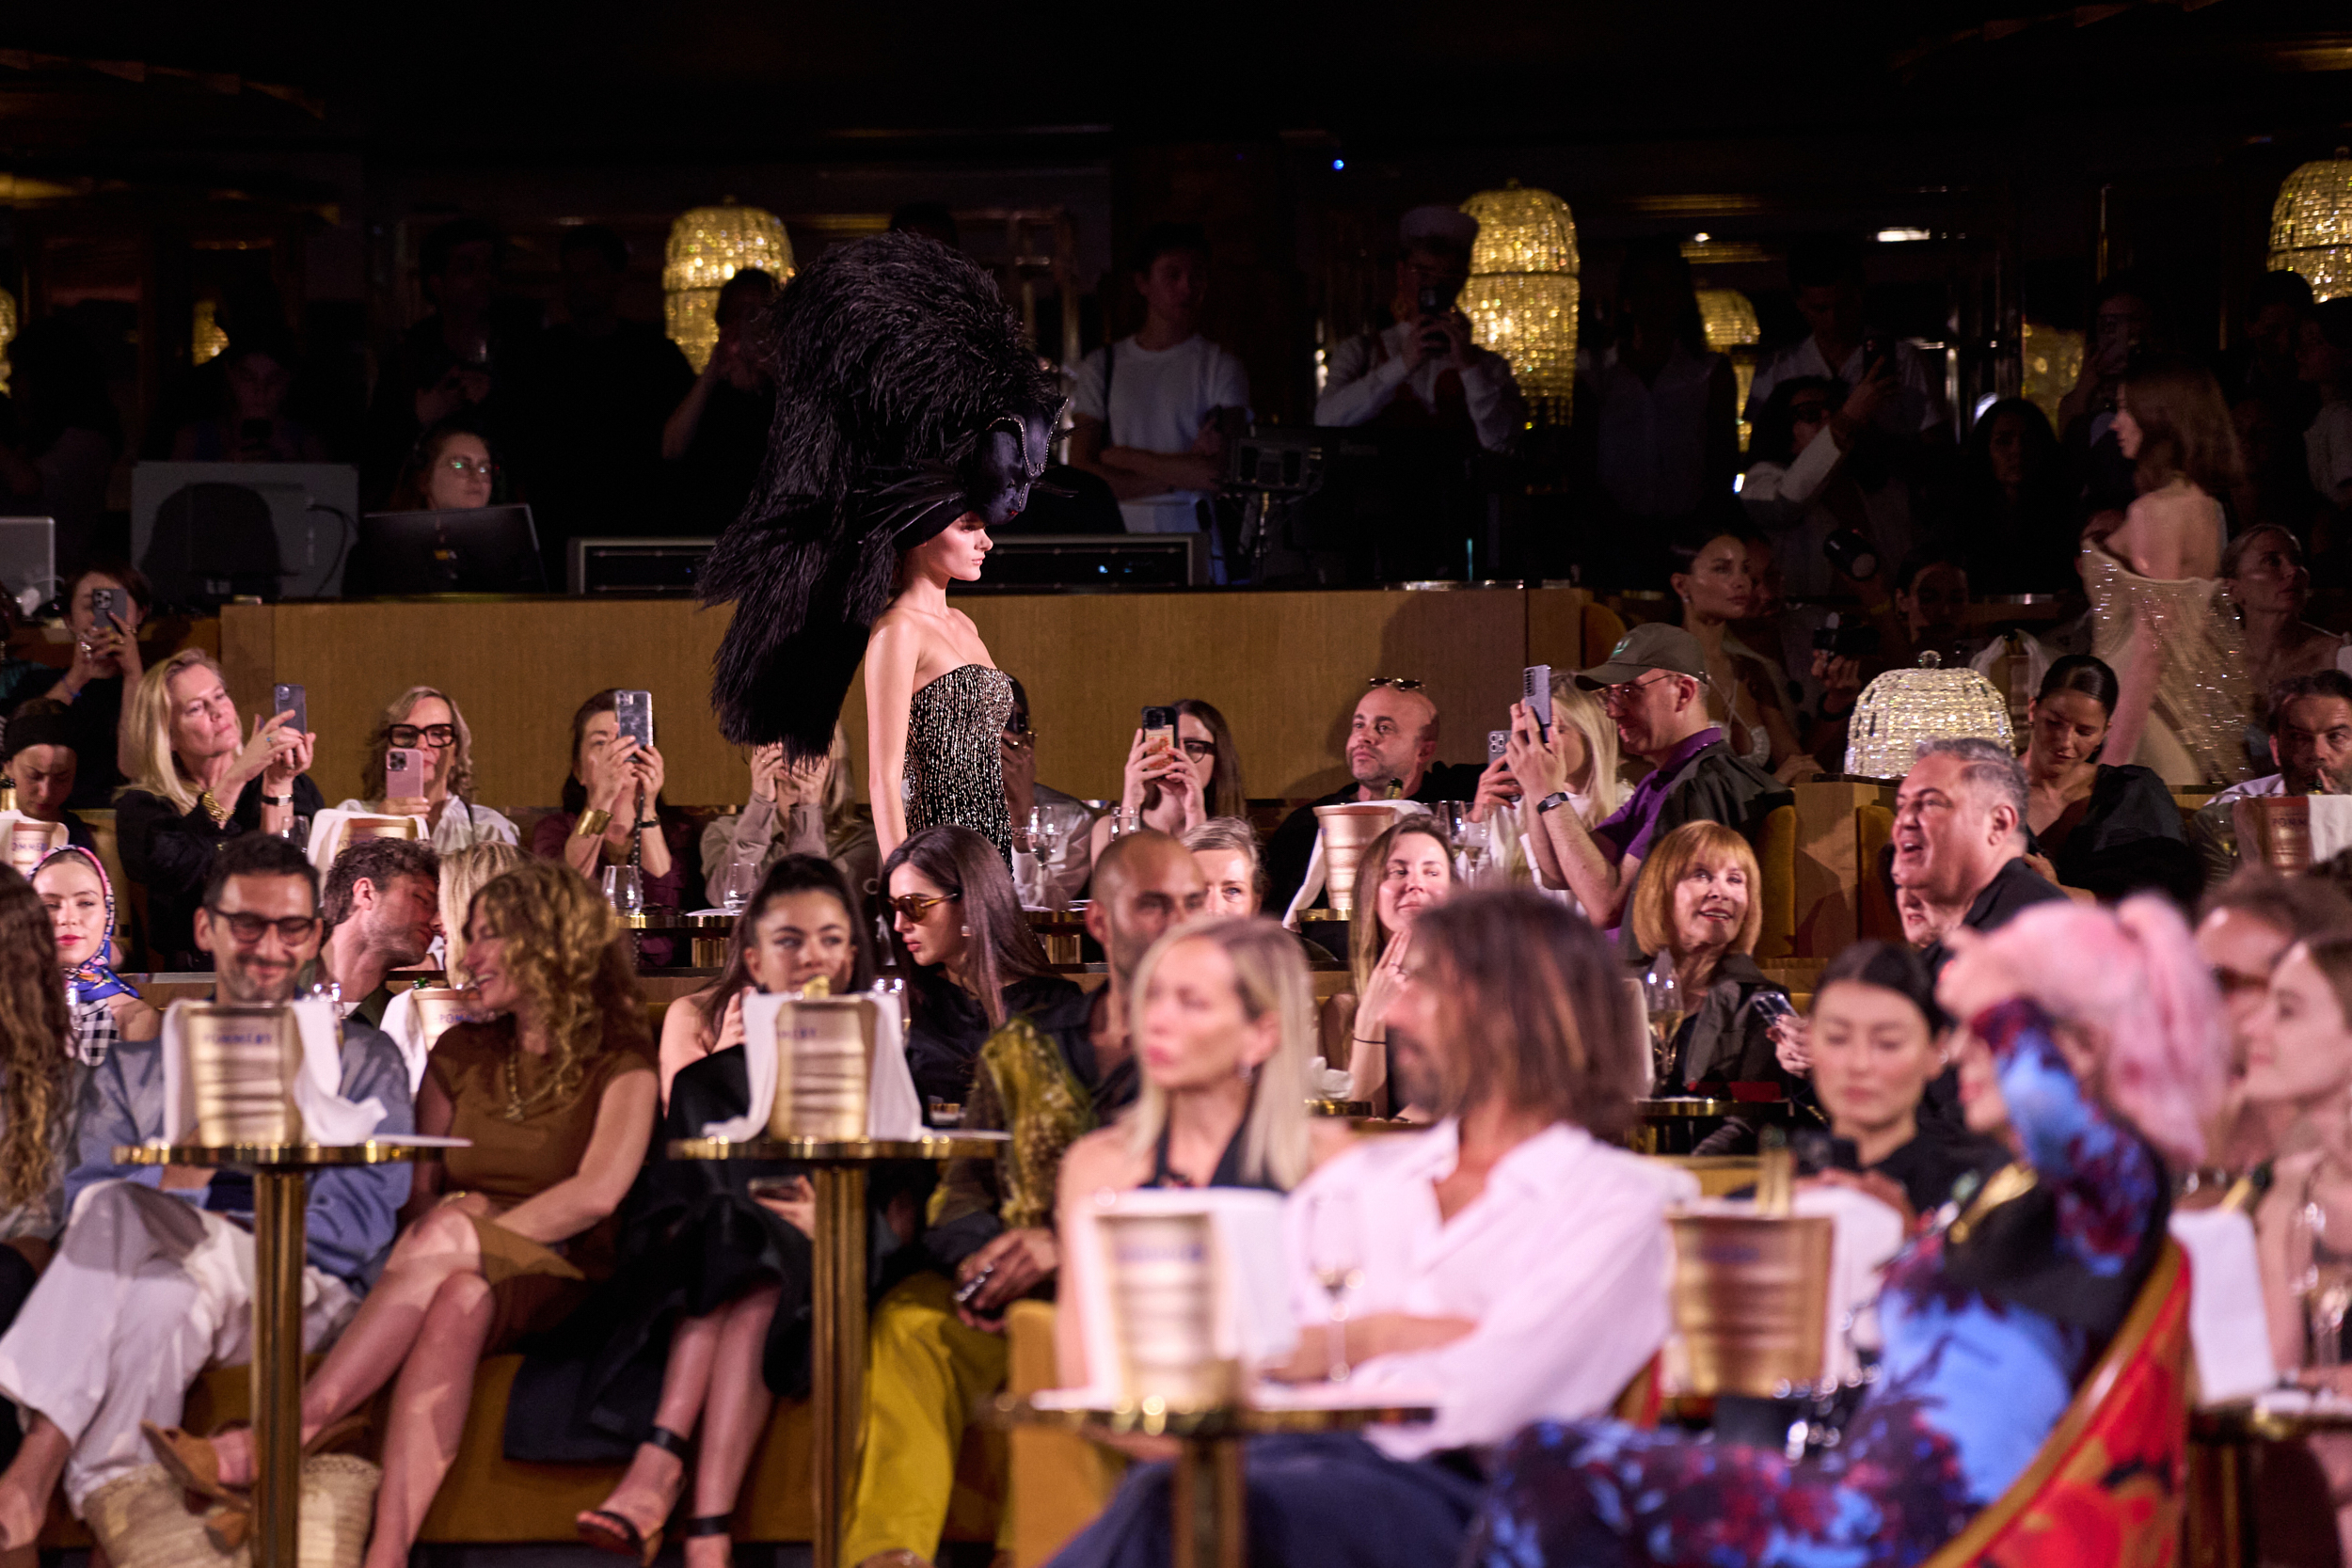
258	854
1662	260
790	874
1535	1008
2082	673
377	860
2185	431
1689	542
1003	948
36	1042
1161	238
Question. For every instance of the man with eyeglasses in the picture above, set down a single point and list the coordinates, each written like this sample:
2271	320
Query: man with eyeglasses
1654	686
381	909
2311	740
1391	755
153	1280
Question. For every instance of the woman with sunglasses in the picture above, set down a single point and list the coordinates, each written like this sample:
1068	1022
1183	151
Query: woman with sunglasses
429	720
1175	791
966	950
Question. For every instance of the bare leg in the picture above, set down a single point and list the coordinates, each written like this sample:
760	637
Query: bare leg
428	1414
648	1488
737	1413
31	1476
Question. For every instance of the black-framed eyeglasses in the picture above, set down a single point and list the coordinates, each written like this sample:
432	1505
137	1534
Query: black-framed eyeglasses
1399	682
914	906
1199	751
435	736
292	929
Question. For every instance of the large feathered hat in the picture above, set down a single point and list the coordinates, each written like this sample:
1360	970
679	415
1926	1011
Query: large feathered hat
904	399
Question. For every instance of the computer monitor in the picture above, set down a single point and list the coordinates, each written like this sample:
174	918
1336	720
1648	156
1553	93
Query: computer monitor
490	549
311	506
28	561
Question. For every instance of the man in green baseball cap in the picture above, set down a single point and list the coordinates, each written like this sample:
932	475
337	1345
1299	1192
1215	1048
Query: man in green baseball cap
1653	685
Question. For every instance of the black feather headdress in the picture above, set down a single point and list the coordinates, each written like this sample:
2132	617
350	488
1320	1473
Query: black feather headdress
904	399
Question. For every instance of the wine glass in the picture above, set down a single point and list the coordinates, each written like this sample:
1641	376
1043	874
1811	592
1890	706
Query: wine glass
2325	1286
1477	841
735	887
624	889
1335	1243
1661	994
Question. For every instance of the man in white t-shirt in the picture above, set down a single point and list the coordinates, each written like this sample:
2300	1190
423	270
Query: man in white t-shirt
1826	276
1147	411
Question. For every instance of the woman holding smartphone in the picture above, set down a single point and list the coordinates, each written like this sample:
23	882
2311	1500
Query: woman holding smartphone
1178	774
613	803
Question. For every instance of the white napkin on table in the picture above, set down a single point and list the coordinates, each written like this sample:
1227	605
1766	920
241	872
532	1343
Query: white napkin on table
327	1117
2227	1325
1312	887
893	1110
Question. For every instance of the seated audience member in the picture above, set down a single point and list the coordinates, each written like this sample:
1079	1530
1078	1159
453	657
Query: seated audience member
1512	1257
613	814
1391	753
1818	473
463	874
1960	841
425	720
381	905
40	763
717	437
2089	1046
1931	590
687	1331
90	1361
1743	692
105	671
80	899
2311	743
2247	925
1654	686
257	370
810	809
1224	1029
450	469
1170	791
1410	871
2011	510
505	1235
2264	570
1047	1077
1396	379
789	930
193	785
1580	761
2110	831
1866	1058
1147	411
969	958
1070	859
1701	908
1226	849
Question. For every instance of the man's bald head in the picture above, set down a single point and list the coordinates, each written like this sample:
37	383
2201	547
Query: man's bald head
1393	735
1144	883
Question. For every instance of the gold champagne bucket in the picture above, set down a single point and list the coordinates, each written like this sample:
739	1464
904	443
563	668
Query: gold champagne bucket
30	843
1164	1298
2284	823
1345	832
357	828
437	1008
241	1063
824	1064
1751	1301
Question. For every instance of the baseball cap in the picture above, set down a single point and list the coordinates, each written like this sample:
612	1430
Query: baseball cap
1653	646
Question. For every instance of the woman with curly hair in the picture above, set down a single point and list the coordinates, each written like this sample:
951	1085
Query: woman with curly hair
556	1093
426	718
39	1082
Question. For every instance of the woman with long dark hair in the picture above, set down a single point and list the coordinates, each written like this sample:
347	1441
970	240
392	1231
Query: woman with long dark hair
612	810
2011	510
1711	584
1176	790
2106	829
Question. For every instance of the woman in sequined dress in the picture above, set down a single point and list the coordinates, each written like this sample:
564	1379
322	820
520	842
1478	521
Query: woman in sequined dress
935	702
2161	618
2092	1038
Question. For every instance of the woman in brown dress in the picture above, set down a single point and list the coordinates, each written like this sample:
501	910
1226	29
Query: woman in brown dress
556	1092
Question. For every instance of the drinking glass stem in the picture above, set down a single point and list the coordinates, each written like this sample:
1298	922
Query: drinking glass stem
1335	1345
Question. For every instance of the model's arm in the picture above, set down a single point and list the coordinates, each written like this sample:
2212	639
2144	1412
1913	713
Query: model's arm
890	660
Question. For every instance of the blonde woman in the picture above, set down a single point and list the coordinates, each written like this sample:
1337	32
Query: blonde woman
427	720
1223	1029
1583	747
809	808
195	783
464	872
555	1094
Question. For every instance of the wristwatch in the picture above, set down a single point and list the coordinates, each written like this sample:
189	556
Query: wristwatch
1557	797
285	800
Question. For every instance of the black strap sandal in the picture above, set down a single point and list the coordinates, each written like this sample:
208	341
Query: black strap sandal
609	1532
709	1524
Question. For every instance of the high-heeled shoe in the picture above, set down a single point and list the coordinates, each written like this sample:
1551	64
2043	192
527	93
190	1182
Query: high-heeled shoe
617	1533
195	1463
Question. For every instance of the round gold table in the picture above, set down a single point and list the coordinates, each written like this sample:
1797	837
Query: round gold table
282	1179
710	934
836	1356
1208	1500
2225	1438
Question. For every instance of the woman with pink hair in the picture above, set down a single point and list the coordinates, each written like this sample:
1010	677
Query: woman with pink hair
2092	1044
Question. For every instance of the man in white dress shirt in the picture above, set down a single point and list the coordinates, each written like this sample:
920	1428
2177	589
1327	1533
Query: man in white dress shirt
1826	276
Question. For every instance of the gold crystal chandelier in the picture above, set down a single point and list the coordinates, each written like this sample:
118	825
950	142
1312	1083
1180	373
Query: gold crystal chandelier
1522	295
1729	321
8	334
2310	227
708	246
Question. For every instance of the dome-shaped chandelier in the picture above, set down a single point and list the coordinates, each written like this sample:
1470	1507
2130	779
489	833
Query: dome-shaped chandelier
708	246
1522	295
2310	227
1729	321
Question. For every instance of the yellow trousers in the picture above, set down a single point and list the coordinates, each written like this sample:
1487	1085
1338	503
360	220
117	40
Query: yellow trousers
926	1374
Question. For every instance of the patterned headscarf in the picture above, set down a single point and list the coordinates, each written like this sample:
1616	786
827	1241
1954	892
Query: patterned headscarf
93	980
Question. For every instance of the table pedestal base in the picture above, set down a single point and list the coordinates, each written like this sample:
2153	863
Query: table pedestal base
836	1349
1208	1506
278	1244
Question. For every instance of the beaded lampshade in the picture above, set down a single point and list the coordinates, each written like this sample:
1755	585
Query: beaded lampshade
8	333
1523	291
1730	323
708	246
1903	707
2053	363
207	337
2310	227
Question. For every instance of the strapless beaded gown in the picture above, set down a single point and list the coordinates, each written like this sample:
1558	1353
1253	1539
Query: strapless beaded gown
955	765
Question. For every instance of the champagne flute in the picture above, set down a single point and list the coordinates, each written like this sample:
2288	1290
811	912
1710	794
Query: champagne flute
2325	1286
1335	1251
1477	839
1662	993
